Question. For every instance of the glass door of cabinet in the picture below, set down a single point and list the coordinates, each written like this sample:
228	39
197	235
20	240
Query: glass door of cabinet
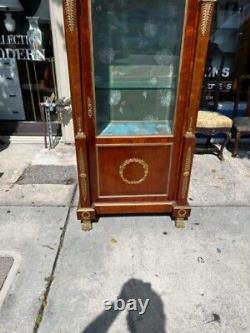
137	48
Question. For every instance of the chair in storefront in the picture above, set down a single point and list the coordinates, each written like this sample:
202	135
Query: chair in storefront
241	125
212	123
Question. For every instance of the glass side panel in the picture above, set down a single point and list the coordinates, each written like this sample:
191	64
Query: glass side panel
136	56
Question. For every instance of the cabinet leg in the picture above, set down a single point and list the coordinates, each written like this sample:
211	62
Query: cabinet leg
180	215
86	215
86	225
180	222
223	145
208	142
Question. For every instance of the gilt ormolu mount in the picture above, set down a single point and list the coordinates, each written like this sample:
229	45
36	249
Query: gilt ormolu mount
136	69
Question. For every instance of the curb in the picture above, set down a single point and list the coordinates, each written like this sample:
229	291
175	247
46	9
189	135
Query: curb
12	273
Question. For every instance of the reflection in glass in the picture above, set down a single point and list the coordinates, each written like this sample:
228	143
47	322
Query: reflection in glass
136	54
25	77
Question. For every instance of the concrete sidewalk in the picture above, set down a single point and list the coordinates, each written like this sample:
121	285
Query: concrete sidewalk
191	276
197	279
33	213
215	183
34	234
18	158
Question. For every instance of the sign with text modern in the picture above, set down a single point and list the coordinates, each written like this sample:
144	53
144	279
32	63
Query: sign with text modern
24	47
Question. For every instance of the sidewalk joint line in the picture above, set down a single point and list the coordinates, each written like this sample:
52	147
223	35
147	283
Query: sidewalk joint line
50	279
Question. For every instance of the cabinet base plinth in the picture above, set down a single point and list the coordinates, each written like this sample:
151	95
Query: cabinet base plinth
88	215
180	223
86	225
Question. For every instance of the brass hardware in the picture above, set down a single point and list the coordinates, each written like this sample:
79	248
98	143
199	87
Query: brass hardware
90	107
86	221
84	189
190	127
80	134
129	161
70	14
207	7
182	213
186	173
83	175
86	225
86	215
180	223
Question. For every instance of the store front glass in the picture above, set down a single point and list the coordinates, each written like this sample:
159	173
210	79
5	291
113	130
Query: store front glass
228	58
27	68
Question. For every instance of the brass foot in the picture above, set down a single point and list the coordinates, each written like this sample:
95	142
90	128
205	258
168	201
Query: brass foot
86	225
179	222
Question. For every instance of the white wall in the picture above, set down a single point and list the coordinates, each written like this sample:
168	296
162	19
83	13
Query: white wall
61	61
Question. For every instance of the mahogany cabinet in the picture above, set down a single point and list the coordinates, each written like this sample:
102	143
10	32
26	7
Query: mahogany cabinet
136	69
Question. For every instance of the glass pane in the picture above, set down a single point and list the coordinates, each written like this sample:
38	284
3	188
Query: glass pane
136	54
228	58
27	66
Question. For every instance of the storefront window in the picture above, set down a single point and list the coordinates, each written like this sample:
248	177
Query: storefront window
27	69
228	57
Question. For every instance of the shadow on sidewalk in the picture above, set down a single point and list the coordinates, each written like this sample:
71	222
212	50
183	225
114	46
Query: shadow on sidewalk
4	144
152	321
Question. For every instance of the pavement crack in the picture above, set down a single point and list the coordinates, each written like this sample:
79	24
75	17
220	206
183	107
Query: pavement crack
50	278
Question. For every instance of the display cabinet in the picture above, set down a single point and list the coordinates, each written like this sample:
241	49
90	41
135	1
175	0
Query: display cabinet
136	69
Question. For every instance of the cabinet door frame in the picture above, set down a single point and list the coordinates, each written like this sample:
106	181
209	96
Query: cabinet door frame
190	29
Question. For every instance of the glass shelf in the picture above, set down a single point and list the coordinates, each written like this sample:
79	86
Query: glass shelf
139	77
135	128
128	87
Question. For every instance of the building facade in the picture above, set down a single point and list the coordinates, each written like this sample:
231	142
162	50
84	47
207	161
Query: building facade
33	66
228	58
33	63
